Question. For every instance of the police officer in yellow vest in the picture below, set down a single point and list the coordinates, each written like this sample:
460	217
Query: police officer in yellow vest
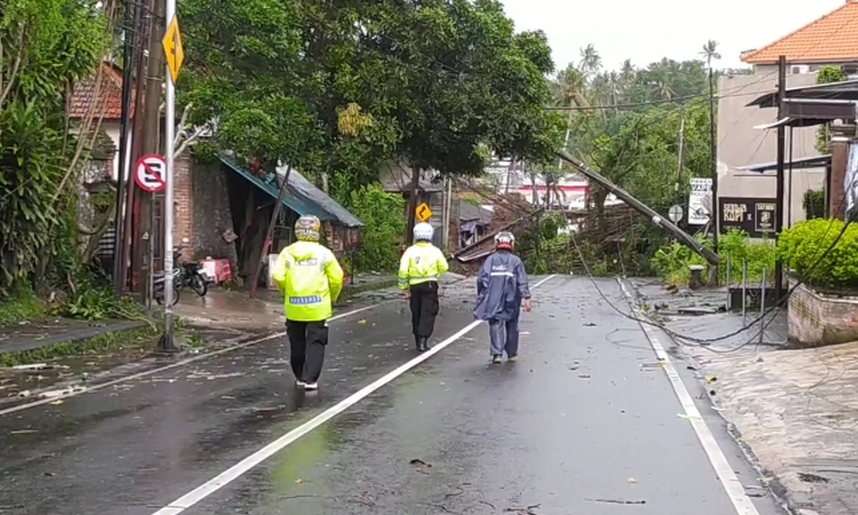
420	268
311	279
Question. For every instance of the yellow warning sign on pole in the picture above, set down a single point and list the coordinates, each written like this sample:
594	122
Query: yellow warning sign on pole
173	50
423	212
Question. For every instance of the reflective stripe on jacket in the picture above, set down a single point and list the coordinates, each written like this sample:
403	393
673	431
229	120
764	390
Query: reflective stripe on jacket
421	263
310	278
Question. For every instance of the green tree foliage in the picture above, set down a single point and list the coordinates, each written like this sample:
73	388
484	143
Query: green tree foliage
45	47
383	216
438	83
814	204
826	75
626	124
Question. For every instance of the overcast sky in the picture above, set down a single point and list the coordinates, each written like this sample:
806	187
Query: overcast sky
646	31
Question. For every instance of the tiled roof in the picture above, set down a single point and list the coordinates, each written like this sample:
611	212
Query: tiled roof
832	38
109	95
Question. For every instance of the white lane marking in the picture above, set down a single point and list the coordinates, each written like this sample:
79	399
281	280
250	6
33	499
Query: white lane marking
231	474
198	357
735	491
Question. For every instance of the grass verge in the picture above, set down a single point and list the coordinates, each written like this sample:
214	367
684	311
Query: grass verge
83	347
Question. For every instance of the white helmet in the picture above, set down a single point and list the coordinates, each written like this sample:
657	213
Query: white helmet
423	232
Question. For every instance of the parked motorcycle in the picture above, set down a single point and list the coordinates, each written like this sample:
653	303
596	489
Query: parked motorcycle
191	275
158	280
184	274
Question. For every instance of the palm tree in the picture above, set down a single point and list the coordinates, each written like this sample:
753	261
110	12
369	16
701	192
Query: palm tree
591	61
710	53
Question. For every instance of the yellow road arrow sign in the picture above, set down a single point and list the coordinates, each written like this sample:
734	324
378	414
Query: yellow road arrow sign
423	212
173	50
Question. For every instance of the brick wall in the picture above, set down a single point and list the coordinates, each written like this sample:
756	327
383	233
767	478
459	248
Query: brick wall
202	212
183	196
839	158
211	214
817	319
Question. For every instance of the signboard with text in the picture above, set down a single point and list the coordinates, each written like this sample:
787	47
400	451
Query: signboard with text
699	201
754	215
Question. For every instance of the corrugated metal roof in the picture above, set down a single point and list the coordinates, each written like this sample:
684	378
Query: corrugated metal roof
471	213
301	195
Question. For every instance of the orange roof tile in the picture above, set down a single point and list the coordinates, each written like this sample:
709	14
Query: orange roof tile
110	96
832	38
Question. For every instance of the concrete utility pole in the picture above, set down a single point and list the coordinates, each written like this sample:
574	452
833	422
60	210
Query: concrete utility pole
779	194
132	18
713	156
681	152
412	204
131	250
151	145
682	236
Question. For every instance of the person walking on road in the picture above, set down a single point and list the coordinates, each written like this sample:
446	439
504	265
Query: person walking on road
311	279
502	290
420	269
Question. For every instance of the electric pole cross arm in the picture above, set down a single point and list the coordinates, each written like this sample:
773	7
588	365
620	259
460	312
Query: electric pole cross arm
682	236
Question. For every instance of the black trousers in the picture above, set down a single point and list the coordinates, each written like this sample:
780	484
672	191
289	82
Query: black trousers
307	342
424	308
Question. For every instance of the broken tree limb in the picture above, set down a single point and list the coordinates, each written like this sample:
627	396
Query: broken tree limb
458	255
682	236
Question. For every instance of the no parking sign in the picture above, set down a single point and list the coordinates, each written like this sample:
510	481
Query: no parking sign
150	173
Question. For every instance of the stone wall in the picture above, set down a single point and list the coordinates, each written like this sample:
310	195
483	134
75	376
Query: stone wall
817	318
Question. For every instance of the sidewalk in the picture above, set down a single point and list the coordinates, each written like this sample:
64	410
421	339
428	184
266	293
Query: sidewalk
795	411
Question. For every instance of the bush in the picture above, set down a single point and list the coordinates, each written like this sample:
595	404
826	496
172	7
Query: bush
814	204
383	215
804	250
671	262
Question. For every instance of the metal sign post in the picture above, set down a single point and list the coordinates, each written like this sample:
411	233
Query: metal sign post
172	43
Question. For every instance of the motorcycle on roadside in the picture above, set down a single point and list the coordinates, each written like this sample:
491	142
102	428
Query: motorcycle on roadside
185	274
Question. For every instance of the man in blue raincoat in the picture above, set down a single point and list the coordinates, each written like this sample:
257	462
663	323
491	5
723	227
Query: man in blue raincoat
502	290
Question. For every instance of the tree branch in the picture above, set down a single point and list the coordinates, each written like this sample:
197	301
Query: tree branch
10	81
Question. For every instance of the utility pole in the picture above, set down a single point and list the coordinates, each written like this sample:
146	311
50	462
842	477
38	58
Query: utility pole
779	194
642	208
269	234
131	30
151	145
713	157
681	152
132	215
412	204
172	45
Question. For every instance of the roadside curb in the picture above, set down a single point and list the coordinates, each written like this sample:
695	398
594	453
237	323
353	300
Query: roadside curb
768	479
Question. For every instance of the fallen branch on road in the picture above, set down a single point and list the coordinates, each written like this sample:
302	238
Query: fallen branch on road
527	510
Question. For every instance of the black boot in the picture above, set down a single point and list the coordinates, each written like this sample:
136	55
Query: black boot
424	344
418	343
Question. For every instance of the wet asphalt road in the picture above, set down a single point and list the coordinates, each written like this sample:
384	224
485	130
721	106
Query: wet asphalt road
585	420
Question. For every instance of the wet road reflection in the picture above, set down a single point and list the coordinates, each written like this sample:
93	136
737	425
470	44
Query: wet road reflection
131	447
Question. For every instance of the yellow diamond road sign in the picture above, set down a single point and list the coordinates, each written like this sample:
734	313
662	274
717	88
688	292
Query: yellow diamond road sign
173	48
423	212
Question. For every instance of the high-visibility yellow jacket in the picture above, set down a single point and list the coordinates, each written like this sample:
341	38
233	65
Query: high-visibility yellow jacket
310	278
421	263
